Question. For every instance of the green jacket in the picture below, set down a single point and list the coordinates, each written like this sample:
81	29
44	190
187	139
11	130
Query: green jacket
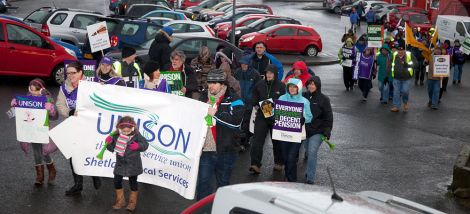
384	64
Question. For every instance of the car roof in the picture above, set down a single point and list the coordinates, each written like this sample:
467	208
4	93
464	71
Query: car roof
54	9
166	11
186	22
148	5
294	25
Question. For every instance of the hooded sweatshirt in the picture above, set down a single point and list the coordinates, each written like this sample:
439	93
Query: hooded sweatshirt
322	122
304	75
268	89
298	98
247	80
160	50
384	63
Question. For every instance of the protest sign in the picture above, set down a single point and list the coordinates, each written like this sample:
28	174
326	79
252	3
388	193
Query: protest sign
174	80
466	46
98	36
375	36
32	120
89	68
267	107
174	127
441	65
287	125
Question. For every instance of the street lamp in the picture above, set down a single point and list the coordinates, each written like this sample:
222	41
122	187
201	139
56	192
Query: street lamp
233	23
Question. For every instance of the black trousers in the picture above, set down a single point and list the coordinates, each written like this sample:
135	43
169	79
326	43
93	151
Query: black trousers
78	179
245	127
445	80
365	85
132	182
348	77
420	73
261	130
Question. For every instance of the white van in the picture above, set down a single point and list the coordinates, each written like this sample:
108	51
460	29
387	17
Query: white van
453	27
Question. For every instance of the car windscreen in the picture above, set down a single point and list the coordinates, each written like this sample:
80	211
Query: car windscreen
267	30
139	11
147	44
467	25
222	9
253	24
38	16
419	19
204	3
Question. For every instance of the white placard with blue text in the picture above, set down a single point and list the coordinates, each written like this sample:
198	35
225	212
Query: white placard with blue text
175	134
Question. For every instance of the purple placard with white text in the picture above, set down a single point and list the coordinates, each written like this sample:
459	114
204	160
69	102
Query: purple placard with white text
287	126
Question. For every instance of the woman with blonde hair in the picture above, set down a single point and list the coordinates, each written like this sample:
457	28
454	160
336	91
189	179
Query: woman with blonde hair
105	73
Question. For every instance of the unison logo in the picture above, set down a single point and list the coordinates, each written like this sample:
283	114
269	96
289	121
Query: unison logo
178	140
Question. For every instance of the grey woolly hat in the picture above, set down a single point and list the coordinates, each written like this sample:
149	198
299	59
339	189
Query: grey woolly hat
216	75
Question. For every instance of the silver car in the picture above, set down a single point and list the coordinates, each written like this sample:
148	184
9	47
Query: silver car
68	25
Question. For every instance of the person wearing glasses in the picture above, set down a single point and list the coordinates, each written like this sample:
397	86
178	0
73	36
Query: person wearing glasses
66	104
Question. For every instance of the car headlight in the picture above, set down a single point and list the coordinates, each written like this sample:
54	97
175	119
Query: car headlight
238	31
71	52
247	39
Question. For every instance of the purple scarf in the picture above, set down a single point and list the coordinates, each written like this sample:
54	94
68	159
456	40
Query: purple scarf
71	97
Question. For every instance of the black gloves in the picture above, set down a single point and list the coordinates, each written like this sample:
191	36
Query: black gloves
71	112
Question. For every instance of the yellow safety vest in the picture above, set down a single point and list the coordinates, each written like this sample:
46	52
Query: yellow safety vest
118	68
409	61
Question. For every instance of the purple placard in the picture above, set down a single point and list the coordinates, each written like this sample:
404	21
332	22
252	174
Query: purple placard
288	115
89	68
31	102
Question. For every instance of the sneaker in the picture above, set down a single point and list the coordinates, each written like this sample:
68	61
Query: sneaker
309	182
454	82
255	169
458	82
278	167
75	190
242	149
405	107
394	109
434	108
429	104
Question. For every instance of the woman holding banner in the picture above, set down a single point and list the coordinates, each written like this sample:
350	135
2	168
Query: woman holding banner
105	73
37	88
66	101
290	150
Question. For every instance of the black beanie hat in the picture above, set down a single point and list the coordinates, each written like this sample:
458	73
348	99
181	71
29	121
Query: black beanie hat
127	52
150	67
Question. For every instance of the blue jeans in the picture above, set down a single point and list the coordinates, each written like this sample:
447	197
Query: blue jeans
312	145
384	91
290	154
457	72
433	91
401	91
210	164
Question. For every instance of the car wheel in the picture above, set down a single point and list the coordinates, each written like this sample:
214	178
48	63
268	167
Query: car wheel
311	51
58	74
337	10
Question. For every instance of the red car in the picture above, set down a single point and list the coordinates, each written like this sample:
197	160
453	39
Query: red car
418	20
27	52
285	38
222	29
185	3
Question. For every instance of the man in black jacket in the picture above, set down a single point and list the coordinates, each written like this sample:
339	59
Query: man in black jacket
220	148
160	49
321	124
264	90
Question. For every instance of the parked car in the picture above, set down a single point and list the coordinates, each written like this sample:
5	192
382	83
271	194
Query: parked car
285	38
223	29
160	20
183	4
192	28
228	9
290	198
166	14
415	20
238	14
69	25
21	43
203	5
335	5
189	15
213	8
188	44
138	10
367	5
133	32
453	27
260	25
120	6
